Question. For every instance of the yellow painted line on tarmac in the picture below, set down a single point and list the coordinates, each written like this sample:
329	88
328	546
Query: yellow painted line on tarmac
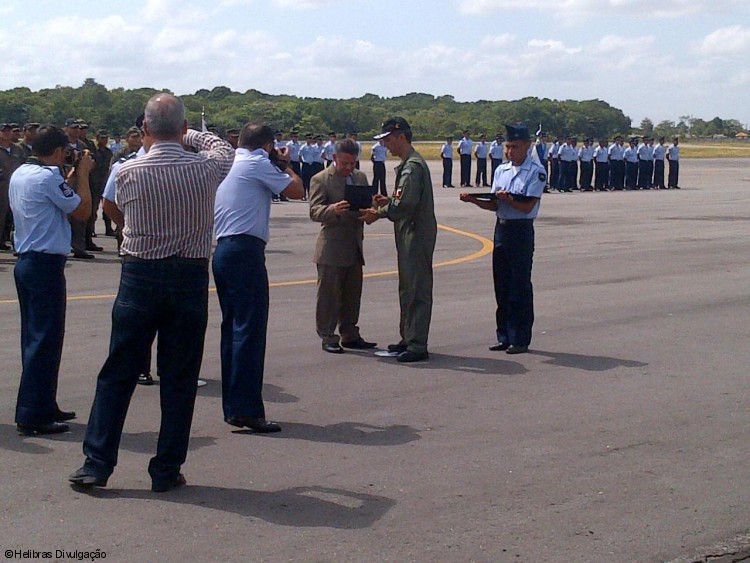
486	248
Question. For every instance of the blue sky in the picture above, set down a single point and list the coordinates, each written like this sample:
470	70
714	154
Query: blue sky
660	60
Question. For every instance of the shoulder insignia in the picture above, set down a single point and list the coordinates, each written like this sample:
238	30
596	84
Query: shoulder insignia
542	177
66	190
127	157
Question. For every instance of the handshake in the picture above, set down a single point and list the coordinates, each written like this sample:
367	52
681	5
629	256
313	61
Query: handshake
370	215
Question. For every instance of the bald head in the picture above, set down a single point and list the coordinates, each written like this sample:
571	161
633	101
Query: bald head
164	117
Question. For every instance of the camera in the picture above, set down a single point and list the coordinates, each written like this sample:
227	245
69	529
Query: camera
273	156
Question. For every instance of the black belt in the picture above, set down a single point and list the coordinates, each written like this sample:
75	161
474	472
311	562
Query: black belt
514	221
203	262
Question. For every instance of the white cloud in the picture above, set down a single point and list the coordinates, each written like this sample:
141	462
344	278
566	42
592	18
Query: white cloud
303	4
568	10
498	40
726	41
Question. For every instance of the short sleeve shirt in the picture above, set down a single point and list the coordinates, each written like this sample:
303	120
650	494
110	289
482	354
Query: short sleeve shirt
528	179
243	199
41	200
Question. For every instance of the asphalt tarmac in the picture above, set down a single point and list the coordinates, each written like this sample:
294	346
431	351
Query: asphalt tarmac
623	436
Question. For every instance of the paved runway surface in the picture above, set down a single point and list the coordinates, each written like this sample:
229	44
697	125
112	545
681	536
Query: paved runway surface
623	436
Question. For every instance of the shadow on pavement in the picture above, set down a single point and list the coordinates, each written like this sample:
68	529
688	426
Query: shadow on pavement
271	393
586	363
467	364
12	441
298	506
352	433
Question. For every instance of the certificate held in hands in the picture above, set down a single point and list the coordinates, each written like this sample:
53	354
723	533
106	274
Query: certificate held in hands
359	197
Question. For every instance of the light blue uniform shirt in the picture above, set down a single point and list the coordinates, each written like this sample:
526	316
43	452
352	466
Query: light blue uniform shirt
481	149
41	200
659	152
243	199
110	187
293	147
379	152
496	150
307	153
616	152
645	152
446	151
318	156
328	149
465	145
674	152
528	179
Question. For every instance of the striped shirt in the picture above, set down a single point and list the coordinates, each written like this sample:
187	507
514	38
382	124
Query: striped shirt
167	197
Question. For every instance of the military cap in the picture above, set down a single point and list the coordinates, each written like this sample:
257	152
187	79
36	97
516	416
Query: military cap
102	133
393	125
28	126
4	126
132	131
15	126
517	132
332	134
70	122
278	132
233	132
308	136
82	124
294	133
318	137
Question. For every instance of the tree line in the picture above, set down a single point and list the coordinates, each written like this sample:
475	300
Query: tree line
431	117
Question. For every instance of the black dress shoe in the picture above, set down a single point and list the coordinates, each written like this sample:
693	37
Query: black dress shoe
93	247
397	348
85	480
83	255
332	348
62	416
259	425
512	349
499	347
40	429
109	233
408	357
359	344
168	485
145	379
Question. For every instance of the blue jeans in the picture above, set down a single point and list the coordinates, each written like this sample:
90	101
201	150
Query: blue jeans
511	271
241	279
40	282
169	296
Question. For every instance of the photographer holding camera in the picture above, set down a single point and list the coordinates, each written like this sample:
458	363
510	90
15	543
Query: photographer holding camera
42	201
242	211
75	150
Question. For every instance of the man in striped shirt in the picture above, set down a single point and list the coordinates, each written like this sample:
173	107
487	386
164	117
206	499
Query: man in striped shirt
166	197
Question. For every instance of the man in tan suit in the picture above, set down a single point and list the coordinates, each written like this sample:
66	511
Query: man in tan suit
338	251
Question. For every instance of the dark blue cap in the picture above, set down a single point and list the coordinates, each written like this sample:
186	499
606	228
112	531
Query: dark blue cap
517	132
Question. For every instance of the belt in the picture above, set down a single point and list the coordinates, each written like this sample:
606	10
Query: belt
514	221
203	262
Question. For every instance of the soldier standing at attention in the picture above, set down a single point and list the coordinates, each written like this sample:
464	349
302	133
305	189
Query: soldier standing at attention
673	156
601	162
659	154
465	145
496	154
480	151
446	151
411	208
617	164
378	157
518	185
631	164
586	156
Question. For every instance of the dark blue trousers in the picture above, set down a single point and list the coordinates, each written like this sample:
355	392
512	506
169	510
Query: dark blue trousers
511	272
378	177
466	170
447	171
169	296
40	282
241	279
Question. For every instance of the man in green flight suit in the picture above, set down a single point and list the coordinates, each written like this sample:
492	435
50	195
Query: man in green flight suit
411	208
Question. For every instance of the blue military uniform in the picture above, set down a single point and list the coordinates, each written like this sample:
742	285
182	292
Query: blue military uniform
514	247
